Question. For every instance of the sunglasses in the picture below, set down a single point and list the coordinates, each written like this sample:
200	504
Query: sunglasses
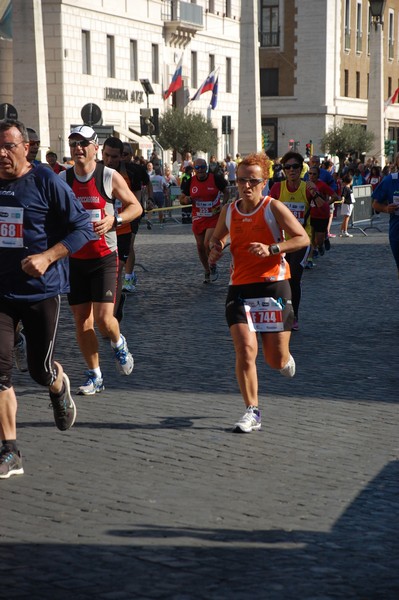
252	182
81	143
200	167
292	166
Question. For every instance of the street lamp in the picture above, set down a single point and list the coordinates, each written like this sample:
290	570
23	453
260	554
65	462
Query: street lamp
148	89
375	108
377	9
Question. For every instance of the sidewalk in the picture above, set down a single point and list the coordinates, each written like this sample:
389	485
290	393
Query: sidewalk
150	495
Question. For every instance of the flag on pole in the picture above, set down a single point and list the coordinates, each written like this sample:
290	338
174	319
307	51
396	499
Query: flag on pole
177	80
207	86
214	99
393	99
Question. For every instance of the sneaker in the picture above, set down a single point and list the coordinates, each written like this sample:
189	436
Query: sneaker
295	325
345	234
250	421
327	244
289	369
94	385
332	235
20	353
124	360
149	226
64	408
309	264
128	286
214	273
10	463
207	278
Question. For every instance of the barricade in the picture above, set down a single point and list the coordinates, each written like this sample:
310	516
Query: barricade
362	209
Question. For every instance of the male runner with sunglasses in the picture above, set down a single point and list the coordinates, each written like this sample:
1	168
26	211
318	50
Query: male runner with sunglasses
93	270
204	192
297	195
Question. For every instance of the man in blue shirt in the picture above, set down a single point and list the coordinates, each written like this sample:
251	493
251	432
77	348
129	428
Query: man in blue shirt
41	223
386	199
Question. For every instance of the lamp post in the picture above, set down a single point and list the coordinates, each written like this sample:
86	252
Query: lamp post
375	109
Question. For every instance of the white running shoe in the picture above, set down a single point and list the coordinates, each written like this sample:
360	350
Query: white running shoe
124	359
94	385
250	421
289	369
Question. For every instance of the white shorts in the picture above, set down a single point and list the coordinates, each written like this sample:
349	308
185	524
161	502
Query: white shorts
346	210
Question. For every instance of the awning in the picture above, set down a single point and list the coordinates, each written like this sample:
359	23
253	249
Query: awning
143	142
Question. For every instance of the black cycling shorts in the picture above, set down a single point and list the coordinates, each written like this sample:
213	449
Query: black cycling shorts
237	294
93	279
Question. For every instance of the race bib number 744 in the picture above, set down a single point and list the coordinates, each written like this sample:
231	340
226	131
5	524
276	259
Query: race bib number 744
264	315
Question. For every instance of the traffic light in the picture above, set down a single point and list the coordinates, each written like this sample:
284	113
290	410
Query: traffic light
308	149
387	145
149	121
392	147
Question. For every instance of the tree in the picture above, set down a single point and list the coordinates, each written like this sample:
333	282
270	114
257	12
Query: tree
186	132
346	139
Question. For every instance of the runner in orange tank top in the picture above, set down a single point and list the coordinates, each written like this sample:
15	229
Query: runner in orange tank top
259	294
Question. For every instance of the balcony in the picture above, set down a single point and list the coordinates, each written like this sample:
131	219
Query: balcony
269	39
181	20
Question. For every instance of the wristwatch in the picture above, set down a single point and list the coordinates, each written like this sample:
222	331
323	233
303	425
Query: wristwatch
117	221
274	249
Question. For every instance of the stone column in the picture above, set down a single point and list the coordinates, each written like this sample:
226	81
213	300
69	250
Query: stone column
249	115
29	69
375	109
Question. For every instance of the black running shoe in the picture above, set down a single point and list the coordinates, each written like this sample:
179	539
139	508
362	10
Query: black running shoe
10	463
64	408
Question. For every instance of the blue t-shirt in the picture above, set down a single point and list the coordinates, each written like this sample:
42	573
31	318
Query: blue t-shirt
37	211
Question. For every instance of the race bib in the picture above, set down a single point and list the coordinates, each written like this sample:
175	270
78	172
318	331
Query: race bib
264	315
396	202
298	210
11	227
204	208
95	216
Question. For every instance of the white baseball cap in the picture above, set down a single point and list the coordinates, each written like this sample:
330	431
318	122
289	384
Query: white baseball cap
86	132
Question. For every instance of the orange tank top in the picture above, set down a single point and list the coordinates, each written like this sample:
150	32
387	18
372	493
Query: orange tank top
258	226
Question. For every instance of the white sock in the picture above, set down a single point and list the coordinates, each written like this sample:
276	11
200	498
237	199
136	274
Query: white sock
97	372
118	343
289	369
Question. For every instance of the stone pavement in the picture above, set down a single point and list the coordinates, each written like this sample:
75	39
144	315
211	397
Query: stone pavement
150	495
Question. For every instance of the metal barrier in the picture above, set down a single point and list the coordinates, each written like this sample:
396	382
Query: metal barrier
362	209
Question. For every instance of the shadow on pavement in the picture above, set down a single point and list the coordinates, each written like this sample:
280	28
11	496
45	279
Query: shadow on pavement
357	559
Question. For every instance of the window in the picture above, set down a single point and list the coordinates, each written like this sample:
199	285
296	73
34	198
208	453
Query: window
211	6
134	75
155	63
211	63
269	23
194	70
389	87
347	25
228	75
86	58
359	33
346	83
390	35
357	84
269	80
110	56
228	9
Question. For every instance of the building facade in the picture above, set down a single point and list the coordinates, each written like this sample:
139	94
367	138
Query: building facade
66	54
315	69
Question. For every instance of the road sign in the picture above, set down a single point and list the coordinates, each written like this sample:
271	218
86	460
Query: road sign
91	114
8	111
